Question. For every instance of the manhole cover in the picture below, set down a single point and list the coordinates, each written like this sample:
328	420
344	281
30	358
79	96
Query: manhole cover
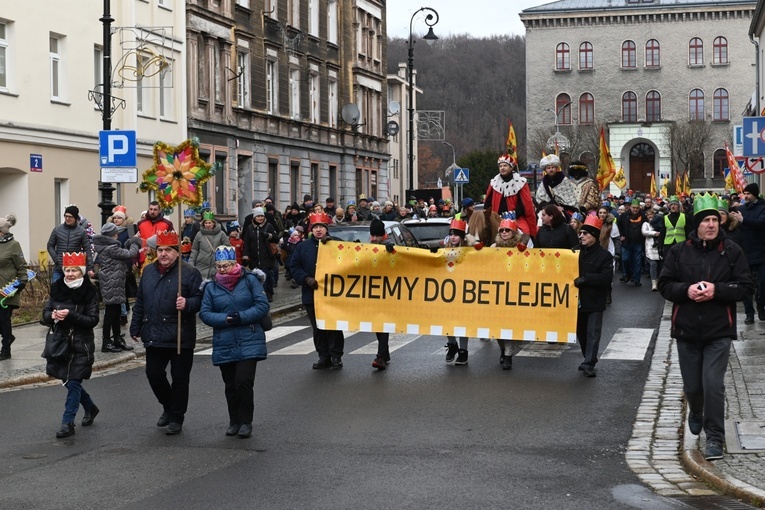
745	436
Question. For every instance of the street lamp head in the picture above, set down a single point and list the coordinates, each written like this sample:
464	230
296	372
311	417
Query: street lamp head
430	37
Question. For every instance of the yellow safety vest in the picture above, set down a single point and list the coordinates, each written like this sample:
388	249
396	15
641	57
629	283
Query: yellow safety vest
675	234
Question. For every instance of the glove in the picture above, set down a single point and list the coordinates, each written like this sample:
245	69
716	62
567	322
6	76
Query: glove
390	248
521	247
21	286
324	239
478	245
234	319
311	282
579	281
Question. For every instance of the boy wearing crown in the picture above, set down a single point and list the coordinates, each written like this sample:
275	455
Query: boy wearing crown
155	323
704	277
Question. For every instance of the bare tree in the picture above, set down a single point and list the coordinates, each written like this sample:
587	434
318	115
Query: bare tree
584	139
688	141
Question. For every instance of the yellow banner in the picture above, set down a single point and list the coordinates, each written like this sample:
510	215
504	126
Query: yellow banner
492	293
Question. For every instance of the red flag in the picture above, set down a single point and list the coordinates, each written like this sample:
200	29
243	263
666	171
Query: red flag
736	175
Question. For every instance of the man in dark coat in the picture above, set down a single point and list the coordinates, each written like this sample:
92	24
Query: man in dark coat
69	237
258	235
596	270
751	218
704	277
329	343
630	223
155	322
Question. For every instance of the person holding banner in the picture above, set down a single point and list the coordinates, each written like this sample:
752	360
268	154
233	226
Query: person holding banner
377	235
329	343
155	322
596	270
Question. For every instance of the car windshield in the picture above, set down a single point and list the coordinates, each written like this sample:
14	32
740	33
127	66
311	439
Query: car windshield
428	231
360	235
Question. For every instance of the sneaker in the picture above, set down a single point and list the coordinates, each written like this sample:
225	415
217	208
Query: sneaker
451	352
714	450
638	284
749	319
462	356
589	371
380	363
695	422
174	428
624	279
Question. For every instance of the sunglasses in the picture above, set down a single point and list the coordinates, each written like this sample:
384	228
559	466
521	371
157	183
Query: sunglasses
505	230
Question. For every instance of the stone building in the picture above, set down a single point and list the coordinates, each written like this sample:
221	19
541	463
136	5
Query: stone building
650	72
289	96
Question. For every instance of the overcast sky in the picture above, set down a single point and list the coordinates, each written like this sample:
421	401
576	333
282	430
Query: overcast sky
479	18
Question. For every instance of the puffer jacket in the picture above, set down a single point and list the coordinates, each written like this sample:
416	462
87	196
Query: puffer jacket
155	318
561	236
719	261
112	271
753	229
12	265
596	268
255	241
203	249
82	304
64	239
302	265
247	340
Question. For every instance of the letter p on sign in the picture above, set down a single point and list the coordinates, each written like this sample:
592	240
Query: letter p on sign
117	149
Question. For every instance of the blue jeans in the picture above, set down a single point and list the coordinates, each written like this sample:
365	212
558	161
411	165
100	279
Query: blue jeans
758	274
632	259
75	396
58	274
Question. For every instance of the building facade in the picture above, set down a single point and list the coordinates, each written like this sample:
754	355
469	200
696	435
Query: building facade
398	104
51	70
654	74
290	97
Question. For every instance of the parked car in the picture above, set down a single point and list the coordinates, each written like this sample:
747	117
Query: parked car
358	232
429	232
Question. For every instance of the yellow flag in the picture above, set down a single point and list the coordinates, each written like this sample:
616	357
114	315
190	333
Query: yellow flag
686	184
620	180
606	170
511	144
653	185
664	190
678	184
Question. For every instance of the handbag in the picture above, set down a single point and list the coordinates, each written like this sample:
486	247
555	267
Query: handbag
273	248
58	343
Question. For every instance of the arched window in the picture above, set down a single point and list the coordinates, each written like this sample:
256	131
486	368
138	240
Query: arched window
720	50
653	106
585	56
652	54
563	108
562	57
696	52
629	107
720	163
629	59
696	105
721	111
586	109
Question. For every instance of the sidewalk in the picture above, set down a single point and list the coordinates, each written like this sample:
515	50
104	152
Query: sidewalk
27	367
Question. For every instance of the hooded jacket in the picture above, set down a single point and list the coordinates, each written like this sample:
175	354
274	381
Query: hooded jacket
112	270
203	249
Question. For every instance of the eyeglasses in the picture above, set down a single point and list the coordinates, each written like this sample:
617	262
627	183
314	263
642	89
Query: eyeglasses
68	216
226	265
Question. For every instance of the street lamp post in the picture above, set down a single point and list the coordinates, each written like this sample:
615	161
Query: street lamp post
106	188
430	20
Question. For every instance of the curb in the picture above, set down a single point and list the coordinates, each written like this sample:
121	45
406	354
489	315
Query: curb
40	377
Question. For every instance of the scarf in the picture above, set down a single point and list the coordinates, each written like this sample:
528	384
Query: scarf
230	279
74	284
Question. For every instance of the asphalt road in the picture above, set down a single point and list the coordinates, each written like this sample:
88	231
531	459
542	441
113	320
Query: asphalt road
421	434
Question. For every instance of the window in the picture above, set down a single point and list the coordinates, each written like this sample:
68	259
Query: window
272	9
295	93
217	81
98	67
141	94
4	55
585	56
332	22
273	180
720	160
721	111
295	180
696	52
242	80
313	17
293	13
313	98
272	87
332	93
586	109
563	108
562	57
166	93
720	50
653	106
696	105
652	54
629	52
629	107
315	182
56	47
243	3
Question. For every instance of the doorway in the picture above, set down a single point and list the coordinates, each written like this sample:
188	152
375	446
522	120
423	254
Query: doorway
642	167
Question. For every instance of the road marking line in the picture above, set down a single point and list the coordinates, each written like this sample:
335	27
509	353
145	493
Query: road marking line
282	331
304	347
628	344
394	342
542	350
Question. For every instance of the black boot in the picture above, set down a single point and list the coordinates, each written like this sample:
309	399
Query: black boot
66	430
120	343
107	346
5	354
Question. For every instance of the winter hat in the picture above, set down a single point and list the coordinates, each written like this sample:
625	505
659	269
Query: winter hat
704	205
73	210
752	188
375	204
377	228
119	214
109	229
550	159
468	202
307	198
592	225
388	203
258	211
7	222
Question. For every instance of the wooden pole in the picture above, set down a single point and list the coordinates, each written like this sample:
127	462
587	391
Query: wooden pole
180	265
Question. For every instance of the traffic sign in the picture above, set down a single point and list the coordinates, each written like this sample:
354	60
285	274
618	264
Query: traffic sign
119	174
117	149
754	137
461	175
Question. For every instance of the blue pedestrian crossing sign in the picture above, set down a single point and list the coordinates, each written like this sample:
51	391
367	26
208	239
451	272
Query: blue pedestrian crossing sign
461	175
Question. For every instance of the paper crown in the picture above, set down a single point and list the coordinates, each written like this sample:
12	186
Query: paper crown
458	225
508	223
225	253
185	245
319	219
75	259
578	217
208	215
120	208
506	158
705	202
189	212
167	238
362	197
635	201
674	200
592	224
722	205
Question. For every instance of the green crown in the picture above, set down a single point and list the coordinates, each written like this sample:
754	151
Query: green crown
722	205
705	202
208	215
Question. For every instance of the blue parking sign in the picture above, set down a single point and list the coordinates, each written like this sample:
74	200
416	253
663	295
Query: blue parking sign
117	149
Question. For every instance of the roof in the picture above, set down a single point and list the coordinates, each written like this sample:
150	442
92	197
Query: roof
586	5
